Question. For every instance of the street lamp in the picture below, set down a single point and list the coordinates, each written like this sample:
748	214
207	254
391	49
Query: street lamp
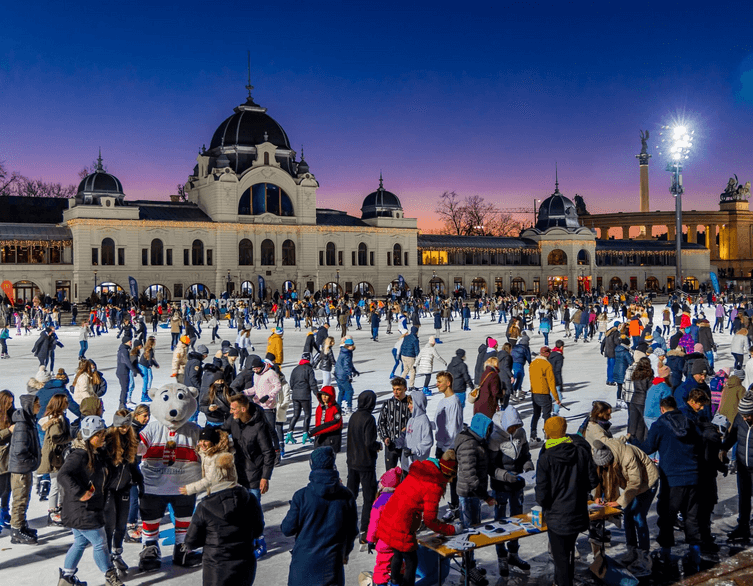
95	281
678	142
338	282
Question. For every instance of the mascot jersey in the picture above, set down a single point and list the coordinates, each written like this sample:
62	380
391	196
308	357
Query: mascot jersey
170	460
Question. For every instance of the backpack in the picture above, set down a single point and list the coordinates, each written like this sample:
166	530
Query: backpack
717	386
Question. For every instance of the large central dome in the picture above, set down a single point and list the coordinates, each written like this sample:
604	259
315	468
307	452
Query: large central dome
557	211
234	142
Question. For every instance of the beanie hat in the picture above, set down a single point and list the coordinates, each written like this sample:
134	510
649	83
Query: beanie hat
449	468
186	340
350	342
698	348
746	404
90	406
42	375
121	420
61	375
602	455
278	331
91	425
225	343
659	351
460	353
269	357
390	479
306	356
322	458
210	434
616	324
491	342
664	371
555	427
699	367
233	352
255	361
642	347
202	349
545	351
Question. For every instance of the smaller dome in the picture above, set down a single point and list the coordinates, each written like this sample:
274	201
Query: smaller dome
303	166
98	184
557	211
380	203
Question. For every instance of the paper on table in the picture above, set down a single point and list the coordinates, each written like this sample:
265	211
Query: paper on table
459	545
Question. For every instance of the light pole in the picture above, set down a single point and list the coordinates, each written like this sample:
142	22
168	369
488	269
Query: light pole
679	142
510	281
95	281
338	282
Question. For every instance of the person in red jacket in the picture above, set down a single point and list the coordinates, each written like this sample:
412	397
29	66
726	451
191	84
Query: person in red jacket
416	498
328	430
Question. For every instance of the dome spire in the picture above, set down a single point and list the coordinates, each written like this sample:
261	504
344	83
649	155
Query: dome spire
381	184
249	87
301	152
556	179
100	168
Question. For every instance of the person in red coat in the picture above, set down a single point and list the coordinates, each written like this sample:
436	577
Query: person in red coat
416	499
328	422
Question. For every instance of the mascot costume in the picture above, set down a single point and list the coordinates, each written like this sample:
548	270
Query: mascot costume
169	461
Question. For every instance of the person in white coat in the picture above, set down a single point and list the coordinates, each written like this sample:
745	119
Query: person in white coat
425	363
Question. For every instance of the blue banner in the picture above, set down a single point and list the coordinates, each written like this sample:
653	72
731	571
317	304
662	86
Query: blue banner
134	286
715	283
401	282
261	288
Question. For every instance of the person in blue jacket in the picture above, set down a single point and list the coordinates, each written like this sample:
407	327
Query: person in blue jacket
344	371
622	359
324	520
521	354
408	352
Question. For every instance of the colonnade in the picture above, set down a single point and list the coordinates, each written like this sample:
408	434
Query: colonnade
710	242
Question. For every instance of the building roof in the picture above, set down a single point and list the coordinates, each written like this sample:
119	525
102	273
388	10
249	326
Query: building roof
440	241
170	211
34	233
33	210
557	211
606	246
328	217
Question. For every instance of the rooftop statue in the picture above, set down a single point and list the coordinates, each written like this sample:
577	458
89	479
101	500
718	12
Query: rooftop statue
735	191
644	142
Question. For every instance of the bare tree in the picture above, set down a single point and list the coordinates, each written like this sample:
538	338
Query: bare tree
7	180
38	188
474	216
181	191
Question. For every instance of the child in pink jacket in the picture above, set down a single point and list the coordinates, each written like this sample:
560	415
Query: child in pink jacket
387	484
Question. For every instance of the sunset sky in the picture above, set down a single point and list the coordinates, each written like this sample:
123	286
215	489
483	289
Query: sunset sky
480	98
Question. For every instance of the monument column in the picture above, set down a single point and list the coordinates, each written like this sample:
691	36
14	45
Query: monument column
643	158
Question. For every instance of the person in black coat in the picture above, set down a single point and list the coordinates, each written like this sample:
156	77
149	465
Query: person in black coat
82	480
125	366
214	399
461	378
43	346
363	447
226	524
24	458
324	521
565	475
195	366
303	387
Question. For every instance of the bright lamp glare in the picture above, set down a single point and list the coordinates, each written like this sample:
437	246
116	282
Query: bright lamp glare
677	156
679	131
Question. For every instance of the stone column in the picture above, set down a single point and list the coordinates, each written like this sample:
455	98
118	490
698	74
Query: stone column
625	232
692	233
649	230
714	245
670	232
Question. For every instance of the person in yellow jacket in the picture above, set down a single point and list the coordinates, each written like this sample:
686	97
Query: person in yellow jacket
274	345
543	388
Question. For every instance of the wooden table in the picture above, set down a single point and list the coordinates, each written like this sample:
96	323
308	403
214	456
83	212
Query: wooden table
435	541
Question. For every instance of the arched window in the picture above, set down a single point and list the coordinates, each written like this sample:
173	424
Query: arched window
108	251
397	255
264	198
363	254
583	257
267	252
652	284
245	252
197	252
330	254
518	285
157	250
557	257
288	253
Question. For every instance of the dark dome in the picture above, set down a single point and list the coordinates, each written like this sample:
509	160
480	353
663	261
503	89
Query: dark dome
557	211
249	126
380	203
99	183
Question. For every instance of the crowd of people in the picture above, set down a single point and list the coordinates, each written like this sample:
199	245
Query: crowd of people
106	483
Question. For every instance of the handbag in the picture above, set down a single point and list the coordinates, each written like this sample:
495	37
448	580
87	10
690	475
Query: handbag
476	392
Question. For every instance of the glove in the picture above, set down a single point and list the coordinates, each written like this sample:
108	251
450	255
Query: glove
407	453
458	527
371	547
264	399
528	466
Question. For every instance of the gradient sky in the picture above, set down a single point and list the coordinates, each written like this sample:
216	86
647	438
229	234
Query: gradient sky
480	98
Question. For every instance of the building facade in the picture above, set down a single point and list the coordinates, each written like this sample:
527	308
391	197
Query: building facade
251	218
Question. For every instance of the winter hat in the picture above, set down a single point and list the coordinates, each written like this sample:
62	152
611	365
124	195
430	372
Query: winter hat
624	340
616	324
545	351
746	404
322	458
491	342
390	479
233	352
460	353
121	420
555	427
739	374
255	361
699	367
642	347
202	349
278	331
210	434
659	351
664	371
61	375
90	406
306	356
448	464
91	425
225	343
348	342
186	340
138	344
42	375
698	348
602	455
269	357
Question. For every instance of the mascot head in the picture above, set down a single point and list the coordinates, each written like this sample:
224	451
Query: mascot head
173	404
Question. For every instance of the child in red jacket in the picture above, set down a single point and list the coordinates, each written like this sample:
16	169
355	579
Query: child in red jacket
387	484
328	430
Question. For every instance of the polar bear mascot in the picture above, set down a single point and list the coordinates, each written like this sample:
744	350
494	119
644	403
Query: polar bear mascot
169	461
